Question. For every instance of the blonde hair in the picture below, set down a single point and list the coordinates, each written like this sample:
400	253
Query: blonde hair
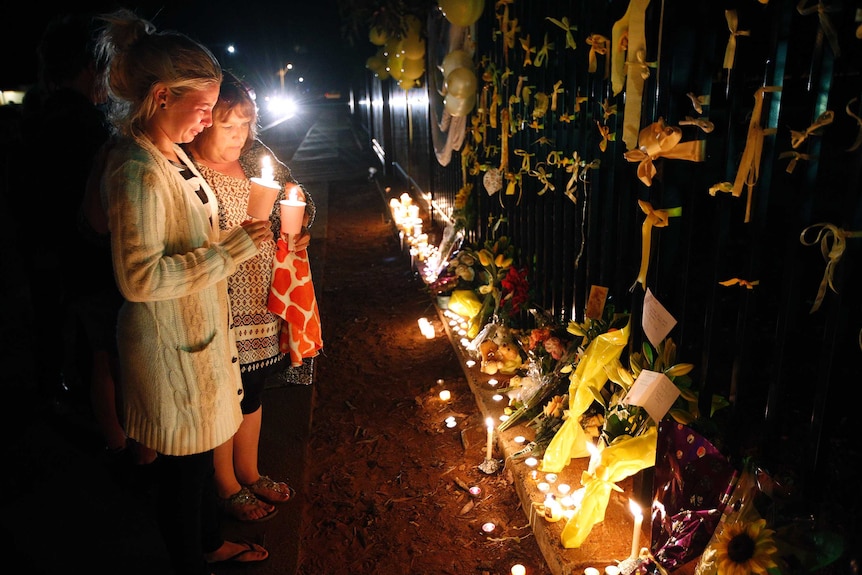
139	57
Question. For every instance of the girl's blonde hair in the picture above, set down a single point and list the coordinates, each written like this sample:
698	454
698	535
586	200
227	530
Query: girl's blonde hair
138	58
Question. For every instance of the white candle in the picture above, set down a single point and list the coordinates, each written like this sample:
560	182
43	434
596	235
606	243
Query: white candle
636	534
445	395
519	569
490	423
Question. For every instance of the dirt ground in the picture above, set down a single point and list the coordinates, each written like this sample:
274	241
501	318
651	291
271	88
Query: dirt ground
387	482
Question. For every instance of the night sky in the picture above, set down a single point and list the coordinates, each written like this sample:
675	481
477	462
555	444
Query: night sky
267	35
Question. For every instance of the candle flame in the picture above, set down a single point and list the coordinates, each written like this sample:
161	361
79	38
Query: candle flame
266	169
490	423
635	508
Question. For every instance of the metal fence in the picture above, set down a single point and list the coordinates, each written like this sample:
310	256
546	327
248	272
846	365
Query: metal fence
771	317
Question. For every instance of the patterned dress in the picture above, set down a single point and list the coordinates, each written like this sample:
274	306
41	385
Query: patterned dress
257	329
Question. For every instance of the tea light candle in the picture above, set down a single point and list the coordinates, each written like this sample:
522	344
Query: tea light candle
612	570
563	488
497	397
519	439
488	527
489	422
543	487
445	395
636	533
531	462
492	382
551	477
475	491
470	363
519	569
591	571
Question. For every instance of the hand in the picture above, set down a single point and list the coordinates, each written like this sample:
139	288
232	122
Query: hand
258	230
298	242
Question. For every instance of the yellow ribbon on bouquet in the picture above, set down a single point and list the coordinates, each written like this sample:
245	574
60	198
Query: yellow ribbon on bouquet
585	382
621	459
659	140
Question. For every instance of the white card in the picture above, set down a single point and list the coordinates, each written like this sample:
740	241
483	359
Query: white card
656	321
654	392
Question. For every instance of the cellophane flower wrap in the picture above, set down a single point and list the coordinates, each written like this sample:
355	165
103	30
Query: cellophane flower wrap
691	483
585	385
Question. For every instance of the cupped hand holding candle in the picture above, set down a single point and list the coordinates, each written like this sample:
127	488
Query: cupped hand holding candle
292	210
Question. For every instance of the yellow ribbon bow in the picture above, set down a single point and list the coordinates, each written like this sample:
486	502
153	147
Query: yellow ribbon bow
599	46
661	141
568	29
698	102
701	123
742	283
542	54
825	23
543	177
558	89
794	158
824	119
528	51
525	162
730	50
833	241
541	107
725	187
605	132
749	165
654	219
627	66
850	113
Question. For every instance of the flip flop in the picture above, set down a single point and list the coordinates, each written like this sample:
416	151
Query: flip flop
239	556
239	504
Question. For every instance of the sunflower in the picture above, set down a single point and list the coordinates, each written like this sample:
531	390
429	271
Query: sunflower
745	548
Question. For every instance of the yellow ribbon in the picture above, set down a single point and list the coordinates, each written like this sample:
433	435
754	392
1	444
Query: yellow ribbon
608	109
542	54
701	123
492	111
797	138
528	51
554	158
749	165
858	141
654	219
730	50
556	90
573	167
698	102
541	107
605	132
794	158
599	46
825	23
661	141
543	177
742	283
725	187
833	241
504	140
525	161
628	65
567	28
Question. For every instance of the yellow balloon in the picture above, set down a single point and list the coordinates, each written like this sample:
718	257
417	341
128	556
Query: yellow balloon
406	84
461	83
414	46
377	36
462	12
456	59
393	46
458	106
412	68
395	63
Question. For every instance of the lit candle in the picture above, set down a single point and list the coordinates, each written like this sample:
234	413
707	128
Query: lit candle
445	395
475	491
266	169
612	570
636	534
490	423
488	527
519	569
591	571
519	439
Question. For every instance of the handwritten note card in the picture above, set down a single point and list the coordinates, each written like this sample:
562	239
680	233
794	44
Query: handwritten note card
656	322
654	392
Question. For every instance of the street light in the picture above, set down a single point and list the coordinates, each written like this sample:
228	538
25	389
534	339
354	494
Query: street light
284	71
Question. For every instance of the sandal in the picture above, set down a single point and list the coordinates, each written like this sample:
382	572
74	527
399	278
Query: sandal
245	555
242	504
271	491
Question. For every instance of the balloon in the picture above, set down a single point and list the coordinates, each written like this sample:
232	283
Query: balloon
375	63
456	59
461	83
406	84
462	12
458	106
395	63
412	68
393	46
414	45
377	36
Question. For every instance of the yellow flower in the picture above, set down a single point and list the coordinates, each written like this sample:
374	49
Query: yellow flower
745	548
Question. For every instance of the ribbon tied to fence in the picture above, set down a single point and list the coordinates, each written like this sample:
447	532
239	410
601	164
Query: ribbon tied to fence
833	241
797	138
654	219
661	141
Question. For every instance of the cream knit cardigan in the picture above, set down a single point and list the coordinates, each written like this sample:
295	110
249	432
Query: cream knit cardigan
180	374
